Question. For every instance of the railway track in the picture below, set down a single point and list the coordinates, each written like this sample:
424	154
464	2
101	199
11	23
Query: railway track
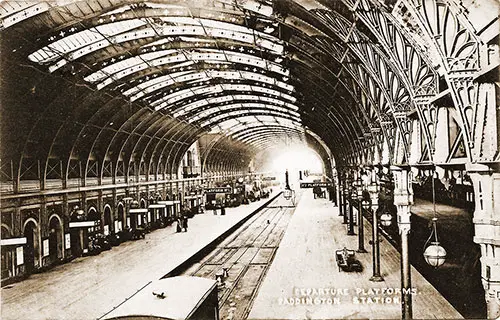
246	256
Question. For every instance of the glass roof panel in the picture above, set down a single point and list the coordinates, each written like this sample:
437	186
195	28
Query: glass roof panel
163	80
207	75
90	38
257	7
248	106
13	12
235	125
214	89
259	118
133	63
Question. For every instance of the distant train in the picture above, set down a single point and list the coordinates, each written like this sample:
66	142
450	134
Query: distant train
182	297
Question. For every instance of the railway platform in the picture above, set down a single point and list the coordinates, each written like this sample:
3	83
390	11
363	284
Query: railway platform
243	258
90	287
304	281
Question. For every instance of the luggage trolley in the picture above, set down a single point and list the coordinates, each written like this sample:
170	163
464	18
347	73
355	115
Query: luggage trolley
182	297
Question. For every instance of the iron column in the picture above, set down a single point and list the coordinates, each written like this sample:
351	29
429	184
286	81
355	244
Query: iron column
374	189
361	231
403	199
352	196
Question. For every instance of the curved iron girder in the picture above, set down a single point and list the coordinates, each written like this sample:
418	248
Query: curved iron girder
161	124
336	35
41	122
212	81
220	154
364	113
207	89
264	144
389	98
147	155
308	70
457	49
271	136
382	86
235	100
231	96
361	104
346	87
168	137
342	119
244	63
149	136
263	129
85	125
237	107
334	75
282	138
211	157
234	116
188	137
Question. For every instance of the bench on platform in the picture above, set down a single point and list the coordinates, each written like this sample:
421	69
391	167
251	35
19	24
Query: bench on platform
346	260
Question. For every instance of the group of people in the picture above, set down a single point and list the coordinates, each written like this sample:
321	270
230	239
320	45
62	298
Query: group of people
222	210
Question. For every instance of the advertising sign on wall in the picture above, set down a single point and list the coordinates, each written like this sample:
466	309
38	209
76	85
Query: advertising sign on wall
218	190
67	241
45	247
19	256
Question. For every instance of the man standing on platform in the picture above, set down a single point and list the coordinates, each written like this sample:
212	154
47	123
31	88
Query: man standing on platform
185	222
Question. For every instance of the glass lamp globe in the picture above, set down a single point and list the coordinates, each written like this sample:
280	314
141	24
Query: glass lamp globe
435	255
385	219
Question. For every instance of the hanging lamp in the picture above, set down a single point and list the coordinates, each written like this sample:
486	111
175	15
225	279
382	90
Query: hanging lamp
386	219
434	254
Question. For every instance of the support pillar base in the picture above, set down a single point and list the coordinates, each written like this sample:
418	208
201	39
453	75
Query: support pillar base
376	278
361	251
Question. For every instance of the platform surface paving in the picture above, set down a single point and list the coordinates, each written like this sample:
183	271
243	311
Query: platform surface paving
89	287
304	281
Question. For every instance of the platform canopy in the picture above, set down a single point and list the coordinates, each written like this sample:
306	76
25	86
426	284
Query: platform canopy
106	79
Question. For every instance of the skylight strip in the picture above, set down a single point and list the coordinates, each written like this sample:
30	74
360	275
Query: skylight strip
54	50
238	128
127	63
183	94
186	93
202	76
24	14
232	125
213	101
154	81
253	106
235	113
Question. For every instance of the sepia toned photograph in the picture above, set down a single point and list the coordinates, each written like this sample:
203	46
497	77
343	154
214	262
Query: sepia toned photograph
249	159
